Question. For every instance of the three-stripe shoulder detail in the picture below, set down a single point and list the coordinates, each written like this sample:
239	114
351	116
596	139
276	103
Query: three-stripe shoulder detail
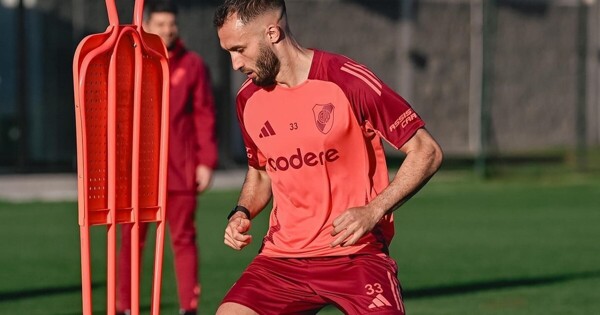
364	74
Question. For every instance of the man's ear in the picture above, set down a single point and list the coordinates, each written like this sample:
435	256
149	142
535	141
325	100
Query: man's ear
274	33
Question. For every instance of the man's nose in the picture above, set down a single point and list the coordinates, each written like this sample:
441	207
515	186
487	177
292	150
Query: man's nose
236	63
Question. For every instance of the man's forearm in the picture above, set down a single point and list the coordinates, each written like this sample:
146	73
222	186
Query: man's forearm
422	160
256	191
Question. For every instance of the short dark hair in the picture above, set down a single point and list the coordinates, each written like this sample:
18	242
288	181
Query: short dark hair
158	7
246	9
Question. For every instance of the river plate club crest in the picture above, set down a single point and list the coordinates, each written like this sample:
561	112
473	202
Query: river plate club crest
323	116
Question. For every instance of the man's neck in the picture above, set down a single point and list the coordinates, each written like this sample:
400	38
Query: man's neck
295	65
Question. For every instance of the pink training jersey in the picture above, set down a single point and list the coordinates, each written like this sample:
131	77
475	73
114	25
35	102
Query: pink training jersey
320	143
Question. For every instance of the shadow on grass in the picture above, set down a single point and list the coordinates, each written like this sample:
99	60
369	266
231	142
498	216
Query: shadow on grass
47	291
50	291
421	293
493	285
143	309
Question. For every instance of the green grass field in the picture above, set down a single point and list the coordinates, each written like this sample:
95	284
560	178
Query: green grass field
518	244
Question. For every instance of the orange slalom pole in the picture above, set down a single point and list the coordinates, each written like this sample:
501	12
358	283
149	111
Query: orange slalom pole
111	263
89	56
86	273
104	129
135	248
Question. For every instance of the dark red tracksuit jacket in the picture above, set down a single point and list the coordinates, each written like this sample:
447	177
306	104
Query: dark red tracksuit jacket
192	138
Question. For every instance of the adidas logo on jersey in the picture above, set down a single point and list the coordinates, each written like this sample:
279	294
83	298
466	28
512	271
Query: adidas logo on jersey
266	130
379	301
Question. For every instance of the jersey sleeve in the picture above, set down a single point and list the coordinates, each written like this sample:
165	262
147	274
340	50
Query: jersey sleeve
255	157
376	105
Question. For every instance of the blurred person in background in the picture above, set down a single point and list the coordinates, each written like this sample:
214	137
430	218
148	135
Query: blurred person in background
192	159
313	124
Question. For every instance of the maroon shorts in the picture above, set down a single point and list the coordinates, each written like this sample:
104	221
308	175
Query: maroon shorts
357	284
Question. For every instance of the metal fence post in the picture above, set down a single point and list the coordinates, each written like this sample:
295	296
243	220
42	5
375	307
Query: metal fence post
488	37
581	105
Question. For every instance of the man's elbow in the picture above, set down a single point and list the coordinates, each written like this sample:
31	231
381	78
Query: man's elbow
435	157
426	152
439	158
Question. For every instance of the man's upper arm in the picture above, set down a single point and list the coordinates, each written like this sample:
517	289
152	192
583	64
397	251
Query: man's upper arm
205	119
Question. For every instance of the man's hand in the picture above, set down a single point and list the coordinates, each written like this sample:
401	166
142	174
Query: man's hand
353	223
423	158
235	232
203	177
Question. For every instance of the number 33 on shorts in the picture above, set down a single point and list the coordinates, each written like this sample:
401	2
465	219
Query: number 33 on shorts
379	300
373	288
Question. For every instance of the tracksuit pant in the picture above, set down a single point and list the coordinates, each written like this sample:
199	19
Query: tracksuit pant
180	218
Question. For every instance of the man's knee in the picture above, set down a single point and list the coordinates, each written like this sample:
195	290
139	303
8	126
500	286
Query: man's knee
230	308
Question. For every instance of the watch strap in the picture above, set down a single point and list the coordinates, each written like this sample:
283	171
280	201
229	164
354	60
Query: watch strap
239	209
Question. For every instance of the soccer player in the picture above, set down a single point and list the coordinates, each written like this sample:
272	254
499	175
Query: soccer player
313	124
192	158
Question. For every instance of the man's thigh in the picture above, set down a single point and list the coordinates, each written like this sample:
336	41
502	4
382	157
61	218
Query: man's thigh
359	284
231	308
274	286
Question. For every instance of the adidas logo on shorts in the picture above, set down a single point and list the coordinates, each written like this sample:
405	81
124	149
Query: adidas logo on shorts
379	301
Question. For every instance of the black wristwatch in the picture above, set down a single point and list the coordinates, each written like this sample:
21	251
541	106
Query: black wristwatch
239	209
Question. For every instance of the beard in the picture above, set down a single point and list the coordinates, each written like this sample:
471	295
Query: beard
267	67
